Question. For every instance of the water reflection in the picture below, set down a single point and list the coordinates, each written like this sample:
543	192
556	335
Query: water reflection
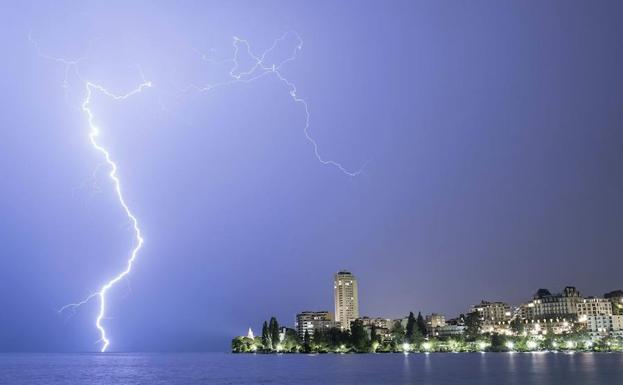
286	369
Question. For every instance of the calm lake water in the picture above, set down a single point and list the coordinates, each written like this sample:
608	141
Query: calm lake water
377	369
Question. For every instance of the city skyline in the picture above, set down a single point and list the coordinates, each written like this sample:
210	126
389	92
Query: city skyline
567	302
521	299
565	320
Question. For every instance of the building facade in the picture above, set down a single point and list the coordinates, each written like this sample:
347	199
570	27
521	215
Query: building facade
493	312
547	326
435	320
593	307
604	325
346	299
382	327
545	305
310	321
452	327
450	330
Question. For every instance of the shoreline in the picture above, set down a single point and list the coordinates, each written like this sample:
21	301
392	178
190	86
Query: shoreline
565	352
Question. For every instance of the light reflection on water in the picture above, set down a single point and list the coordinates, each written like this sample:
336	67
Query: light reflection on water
349	369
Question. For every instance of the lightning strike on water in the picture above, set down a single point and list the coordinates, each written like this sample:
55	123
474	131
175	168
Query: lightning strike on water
258	70
93	134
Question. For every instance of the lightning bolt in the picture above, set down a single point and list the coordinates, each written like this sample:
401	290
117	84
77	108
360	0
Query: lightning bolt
258	70
94	132
70	64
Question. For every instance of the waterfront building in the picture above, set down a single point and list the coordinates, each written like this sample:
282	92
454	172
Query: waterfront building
453	327
346	299
594	307
433	322
545	305
492	312
450	330
310	321
382	326
545	326
378	322
616	298
502	327
604	325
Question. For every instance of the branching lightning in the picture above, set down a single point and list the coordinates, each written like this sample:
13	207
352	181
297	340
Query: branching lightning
94	132
258	70
138	238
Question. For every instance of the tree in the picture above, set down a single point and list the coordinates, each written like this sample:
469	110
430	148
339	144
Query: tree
517	326
306	341
421	323
398	333
413	333
242	345
320	340
337	337
359	337
290	341
273	328
498	343
319	336
373	336
411	324
266	336
472	325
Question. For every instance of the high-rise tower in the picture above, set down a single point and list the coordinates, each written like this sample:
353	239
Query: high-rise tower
346	299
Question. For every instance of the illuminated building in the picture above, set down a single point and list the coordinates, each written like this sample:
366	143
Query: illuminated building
493	312
346	299
310	321
593	307
545	305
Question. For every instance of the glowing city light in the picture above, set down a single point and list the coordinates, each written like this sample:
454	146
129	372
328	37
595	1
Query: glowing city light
510	345
406	347
426	345
532	345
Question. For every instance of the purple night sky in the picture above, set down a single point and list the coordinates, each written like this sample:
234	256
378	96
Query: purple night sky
491	134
